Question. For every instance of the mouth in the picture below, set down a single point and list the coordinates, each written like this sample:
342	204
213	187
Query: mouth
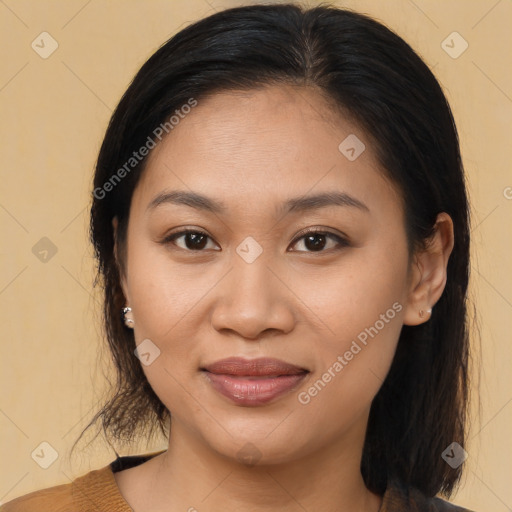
253	382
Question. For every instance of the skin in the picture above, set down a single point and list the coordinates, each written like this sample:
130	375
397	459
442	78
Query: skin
252	151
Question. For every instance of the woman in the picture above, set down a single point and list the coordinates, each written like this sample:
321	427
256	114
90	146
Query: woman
281	224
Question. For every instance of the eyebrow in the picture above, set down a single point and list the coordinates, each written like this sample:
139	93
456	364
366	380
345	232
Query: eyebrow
296	204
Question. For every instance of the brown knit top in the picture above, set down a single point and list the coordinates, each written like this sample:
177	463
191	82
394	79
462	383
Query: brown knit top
97	491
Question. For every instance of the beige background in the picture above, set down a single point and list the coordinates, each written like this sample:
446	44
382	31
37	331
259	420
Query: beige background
53	115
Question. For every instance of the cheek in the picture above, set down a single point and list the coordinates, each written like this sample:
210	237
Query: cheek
162	292
166	303
360	305
353	359
351	296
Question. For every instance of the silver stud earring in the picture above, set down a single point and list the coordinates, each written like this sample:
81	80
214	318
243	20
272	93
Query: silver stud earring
422	313
127	317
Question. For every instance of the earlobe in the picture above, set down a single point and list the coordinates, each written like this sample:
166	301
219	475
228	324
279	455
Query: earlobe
430	272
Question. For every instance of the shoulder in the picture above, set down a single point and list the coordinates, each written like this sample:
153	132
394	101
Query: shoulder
92	492
52	499
400	498
96	487
440	505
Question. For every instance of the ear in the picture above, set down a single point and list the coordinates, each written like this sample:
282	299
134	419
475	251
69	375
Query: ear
120	266
429	274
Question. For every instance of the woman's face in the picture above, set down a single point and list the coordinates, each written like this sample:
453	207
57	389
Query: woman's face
256	285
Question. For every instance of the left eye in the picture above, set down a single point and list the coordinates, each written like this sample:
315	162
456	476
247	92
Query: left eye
318	241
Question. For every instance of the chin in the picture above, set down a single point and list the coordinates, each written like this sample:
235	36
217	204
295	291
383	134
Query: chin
257	447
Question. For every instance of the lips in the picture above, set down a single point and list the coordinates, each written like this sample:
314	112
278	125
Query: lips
253	367
253	382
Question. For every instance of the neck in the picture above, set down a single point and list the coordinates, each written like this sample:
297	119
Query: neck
191	476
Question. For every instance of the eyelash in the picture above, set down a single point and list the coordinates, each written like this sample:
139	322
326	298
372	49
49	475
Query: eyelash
342	242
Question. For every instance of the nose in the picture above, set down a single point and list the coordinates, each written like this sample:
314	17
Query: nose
252	301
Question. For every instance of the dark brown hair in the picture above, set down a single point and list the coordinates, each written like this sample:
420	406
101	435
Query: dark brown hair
374	76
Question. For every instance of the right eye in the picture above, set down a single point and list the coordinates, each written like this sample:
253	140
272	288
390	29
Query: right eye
191	240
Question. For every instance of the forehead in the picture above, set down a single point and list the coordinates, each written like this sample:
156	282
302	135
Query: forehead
269	143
